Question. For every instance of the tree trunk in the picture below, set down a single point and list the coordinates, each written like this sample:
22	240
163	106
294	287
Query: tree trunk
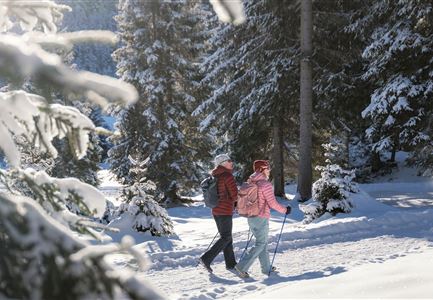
376	163
278	159
394	148
306	91
393	152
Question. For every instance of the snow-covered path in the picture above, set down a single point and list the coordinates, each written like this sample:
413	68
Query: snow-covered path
389	231
373	234
295	265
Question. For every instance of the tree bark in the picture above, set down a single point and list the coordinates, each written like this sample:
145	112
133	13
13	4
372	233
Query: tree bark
306	92
278	158
376	163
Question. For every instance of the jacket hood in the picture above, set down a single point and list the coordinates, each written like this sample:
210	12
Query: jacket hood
257	176
220	170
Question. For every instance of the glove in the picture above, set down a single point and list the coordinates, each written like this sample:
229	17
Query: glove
288	209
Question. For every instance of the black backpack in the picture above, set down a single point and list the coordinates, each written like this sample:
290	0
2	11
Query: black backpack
209	186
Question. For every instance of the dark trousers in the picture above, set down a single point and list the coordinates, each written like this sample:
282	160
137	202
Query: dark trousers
225	242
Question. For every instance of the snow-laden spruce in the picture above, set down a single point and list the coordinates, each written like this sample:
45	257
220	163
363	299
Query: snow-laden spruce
18	116
158	54
251	79
140	211
398	65
332	192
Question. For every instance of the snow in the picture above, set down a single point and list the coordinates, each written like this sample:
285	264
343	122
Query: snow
229	10
383	249
404	276
26	58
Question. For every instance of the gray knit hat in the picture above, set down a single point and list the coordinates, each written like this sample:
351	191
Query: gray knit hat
219	159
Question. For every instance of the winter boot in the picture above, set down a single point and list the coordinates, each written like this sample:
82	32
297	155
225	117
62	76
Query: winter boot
205	265
273	270
241	273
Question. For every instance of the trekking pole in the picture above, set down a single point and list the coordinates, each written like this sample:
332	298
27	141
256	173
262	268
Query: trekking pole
249	240
212	241
210	244
278	241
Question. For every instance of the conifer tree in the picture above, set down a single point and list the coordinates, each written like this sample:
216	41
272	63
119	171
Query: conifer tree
340	93
139	208
41	258
254	87
158	57
332	191
398	56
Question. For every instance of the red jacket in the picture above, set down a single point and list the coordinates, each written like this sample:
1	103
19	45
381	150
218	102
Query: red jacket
227	192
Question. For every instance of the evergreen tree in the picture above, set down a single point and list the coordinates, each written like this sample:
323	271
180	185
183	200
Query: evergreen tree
158	56
332	191
398	59
40	257
340	94
139	208
252	73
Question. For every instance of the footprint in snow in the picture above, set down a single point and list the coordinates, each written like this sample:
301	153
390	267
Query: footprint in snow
212	295
200	297
219	290
250	288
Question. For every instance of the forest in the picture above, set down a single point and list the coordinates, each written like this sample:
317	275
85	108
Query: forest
335	94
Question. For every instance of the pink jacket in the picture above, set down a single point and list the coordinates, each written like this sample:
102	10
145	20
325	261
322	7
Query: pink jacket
266	196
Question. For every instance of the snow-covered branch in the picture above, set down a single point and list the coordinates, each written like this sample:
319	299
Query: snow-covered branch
67	40
29	115
31	14
21	59
229	10
34	237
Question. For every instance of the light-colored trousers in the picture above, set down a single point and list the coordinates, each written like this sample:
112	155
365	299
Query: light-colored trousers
260	229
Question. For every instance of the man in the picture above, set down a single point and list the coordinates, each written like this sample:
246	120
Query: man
223	213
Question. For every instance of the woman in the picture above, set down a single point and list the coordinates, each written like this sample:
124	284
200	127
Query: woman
259	225
223	214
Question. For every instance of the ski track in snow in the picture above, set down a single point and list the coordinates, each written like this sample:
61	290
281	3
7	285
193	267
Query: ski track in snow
372	234
305	251
293	265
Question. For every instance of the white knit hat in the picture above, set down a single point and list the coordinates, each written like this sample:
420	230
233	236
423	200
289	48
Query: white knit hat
219	159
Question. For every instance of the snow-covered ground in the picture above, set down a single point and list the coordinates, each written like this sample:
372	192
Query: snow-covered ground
383	249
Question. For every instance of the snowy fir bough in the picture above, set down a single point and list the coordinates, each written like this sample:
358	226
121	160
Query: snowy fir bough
71	202
41	259
41	256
